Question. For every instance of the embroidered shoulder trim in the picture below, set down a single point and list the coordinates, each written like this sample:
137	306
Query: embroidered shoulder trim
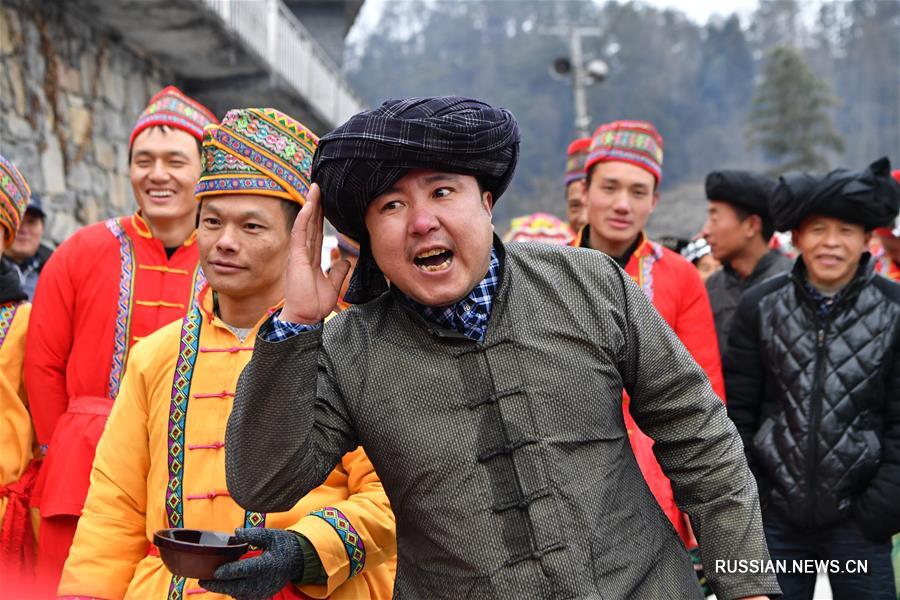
181	389
645	268
123	306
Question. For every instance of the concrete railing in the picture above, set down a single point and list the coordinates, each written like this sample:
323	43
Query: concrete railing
279	38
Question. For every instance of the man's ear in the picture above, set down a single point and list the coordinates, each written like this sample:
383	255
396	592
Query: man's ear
756	225
487	201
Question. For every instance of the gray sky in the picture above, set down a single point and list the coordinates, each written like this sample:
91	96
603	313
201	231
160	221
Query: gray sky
701	10
697	10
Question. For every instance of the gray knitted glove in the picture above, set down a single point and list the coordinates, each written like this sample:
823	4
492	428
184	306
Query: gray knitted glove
262	576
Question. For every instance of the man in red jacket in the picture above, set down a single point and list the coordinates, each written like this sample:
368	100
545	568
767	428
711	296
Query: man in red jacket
104	288
624	169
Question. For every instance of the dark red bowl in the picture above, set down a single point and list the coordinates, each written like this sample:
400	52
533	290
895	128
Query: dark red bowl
195	553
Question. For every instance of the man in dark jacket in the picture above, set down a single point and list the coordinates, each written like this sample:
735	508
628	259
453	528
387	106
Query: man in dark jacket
738	228
506	480
27	254
812	375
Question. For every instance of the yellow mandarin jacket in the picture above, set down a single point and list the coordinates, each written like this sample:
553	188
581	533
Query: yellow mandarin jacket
18	523
161	463
16	431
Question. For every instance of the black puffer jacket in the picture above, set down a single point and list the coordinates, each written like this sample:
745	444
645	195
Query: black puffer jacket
817	401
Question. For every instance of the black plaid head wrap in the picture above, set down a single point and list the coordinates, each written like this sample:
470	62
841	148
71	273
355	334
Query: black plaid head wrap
869	197
365	156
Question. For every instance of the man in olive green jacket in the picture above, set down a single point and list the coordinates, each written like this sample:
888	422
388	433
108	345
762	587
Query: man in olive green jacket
486	384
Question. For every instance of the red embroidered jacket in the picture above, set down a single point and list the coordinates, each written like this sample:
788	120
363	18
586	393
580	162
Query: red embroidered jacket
105	288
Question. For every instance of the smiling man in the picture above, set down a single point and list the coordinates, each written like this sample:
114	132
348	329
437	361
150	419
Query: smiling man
107	286
160	463
485	383
813	371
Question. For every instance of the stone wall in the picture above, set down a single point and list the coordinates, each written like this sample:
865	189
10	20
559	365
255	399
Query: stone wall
69	97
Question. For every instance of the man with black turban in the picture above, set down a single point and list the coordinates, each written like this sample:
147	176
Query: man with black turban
507	480
738	229
813	373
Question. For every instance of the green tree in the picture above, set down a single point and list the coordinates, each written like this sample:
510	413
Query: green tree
790	118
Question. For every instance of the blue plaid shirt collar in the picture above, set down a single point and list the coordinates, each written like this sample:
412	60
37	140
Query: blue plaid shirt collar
468	316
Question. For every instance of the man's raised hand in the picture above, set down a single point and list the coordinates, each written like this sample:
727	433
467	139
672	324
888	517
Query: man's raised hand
310	294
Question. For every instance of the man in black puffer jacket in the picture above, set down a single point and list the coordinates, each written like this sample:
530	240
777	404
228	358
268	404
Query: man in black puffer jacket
813	385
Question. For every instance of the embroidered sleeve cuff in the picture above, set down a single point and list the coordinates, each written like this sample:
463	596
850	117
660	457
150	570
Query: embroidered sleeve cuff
276	330
352	542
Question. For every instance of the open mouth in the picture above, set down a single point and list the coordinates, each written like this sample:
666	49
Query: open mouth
160	194
434	260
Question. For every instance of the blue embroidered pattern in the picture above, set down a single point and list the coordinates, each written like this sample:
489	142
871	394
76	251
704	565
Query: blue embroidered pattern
353	543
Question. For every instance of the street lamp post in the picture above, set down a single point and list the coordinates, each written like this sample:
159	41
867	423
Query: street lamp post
582	73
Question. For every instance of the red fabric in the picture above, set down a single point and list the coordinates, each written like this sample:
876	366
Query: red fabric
54	539
680	297
579	145
17	551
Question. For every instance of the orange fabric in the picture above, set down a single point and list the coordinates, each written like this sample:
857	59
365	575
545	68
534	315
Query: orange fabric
680	298
71	344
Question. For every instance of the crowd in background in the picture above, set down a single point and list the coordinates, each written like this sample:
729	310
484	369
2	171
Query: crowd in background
787	300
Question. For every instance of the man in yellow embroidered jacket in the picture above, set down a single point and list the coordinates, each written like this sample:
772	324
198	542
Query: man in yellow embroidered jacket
17	469
161	460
